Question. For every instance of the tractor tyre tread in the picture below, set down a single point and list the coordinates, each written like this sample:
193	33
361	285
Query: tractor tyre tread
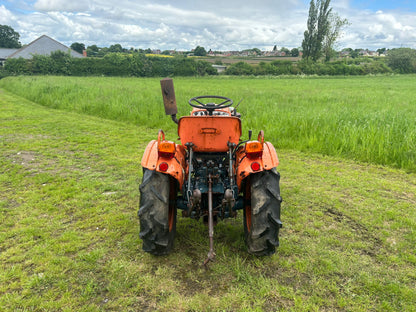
154	213
263	236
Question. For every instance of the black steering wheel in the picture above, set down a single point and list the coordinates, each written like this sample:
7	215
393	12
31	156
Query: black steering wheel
210	106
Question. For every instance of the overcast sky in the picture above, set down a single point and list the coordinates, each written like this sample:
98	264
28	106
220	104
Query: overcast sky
213	24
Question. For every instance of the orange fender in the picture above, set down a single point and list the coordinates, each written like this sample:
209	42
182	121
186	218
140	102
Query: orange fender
176	165
268	161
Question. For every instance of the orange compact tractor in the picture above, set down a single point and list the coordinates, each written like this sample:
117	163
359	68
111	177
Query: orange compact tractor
211	175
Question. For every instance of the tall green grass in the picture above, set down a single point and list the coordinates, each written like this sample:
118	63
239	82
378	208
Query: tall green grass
370	119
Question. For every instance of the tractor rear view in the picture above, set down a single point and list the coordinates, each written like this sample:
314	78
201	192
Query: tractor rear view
211	175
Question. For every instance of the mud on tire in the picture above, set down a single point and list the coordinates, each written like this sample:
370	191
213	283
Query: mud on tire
157	212
262	212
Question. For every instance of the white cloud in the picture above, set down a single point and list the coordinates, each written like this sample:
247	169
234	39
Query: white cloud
61	5
376	28
215	24
6	17
380	29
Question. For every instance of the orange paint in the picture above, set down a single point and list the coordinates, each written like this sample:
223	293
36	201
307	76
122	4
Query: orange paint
151	160
209	133
267	161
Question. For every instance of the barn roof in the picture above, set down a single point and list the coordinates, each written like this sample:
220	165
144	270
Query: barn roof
44	45
4	53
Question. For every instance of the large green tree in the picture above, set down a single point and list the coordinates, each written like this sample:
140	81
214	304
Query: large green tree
9	38
294	52
93	50
335	25
309	34
317	29
200	51
79	47
115	48
402	60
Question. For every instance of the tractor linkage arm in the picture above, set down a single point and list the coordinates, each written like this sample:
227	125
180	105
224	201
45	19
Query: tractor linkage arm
211	253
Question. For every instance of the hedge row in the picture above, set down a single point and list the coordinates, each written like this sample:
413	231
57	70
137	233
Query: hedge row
309	68
114	64
140	65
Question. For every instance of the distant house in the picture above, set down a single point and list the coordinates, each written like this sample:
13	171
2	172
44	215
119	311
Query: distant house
220	68
44	45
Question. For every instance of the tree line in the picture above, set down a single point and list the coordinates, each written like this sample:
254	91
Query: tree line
112	64
402	60
350	67
399	61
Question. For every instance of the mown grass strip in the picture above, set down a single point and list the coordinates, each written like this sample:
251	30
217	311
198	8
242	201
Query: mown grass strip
69	231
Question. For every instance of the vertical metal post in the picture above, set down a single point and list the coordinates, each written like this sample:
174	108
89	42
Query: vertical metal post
211	253
231	165
190	166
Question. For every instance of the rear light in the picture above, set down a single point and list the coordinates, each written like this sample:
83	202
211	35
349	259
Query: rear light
255	166
254	149
166	149
163	167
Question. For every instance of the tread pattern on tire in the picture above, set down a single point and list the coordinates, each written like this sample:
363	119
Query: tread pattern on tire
262	237
154	213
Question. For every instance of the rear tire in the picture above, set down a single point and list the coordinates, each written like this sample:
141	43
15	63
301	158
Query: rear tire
157	212
262	212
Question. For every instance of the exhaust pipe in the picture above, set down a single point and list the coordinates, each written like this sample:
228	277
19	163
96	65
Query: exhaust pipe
169	100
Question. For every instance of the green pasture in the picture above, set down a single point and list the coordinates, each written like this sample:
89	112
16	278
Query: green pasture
370	119
70	152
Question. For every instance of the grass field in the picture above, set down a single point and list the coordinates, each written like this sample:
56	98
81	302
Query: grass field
369	119
69	197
